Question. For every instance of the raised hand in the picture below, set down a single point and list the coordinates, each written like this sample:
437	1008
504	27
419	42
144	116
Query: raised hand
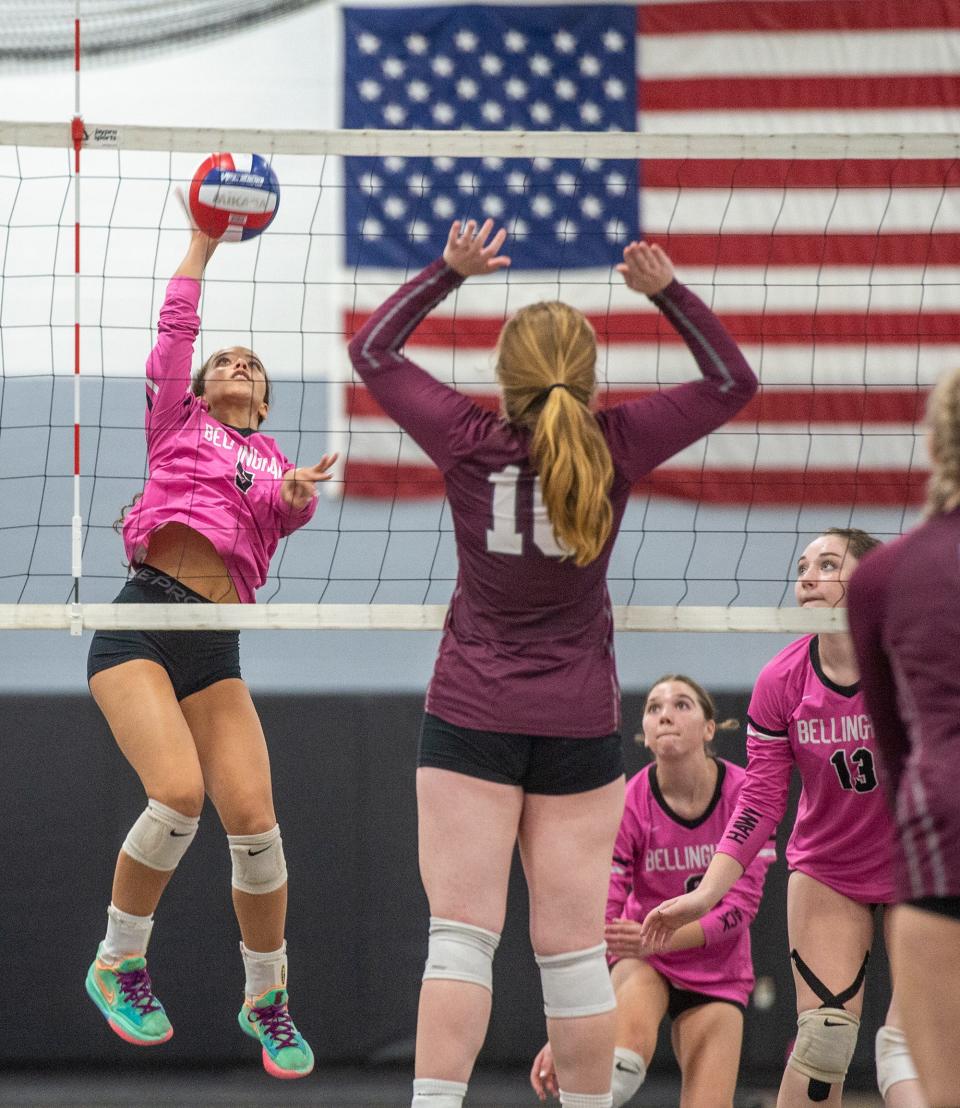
645	268
543	1075
299	486
468	252
624	939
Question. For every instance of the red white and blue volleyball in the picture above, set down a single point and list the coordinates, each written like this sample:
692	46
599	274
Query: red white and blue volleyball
234	197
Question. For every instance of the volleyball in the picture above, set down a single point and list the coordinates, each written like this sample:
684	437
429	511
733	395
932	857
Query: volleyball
234	197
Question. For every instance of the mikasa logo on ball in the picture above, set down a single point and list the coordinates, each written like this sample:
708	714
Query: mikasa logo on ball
237	198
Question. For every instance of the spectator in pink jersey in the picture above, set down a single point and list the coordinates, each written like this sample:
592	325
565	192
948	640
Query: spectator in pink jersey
219	497
521	740
808	711
675	811
905	619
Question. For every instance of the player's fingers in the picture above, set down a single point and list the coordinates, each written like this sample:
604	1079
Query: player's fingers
483	232
454	233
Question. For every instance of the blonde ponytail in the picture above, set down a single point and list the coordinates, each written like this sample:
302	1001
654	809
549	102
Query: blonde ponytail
943	427
546	365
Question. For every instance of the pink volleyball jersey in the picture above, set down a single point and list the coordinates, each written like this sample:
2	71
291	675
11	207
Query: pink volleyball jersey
659	855
905	620
221	481
843	833
528	642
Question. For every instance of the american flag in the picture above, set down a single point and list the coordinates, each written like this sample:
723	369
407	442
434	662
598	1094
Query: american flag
839	278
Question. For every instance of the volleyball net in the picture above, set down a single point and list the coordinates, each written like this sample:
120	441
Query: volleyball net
832	260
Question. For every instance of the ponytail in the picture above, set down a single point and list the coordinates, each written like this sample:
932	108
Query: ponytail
943	426
546	365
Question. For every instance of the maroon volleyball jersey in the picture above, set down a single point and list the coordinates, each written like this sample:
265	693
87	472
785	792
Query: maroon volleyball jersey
904	609
528	642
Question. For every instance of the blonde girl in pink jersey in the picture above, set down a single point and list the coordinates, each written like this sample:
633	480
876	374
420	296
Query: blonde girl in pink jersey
675	810
219	497
807	710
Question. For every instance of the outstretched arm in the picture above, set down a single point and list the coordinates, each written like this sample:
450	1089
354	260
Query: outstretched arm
199	252
435	416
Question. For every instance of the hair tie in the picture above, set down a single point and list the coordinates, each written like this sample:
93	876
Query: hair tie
544	393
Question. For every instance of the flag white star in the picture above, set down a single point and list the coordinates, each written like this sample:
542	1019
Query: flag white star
395	114
466	40
418	229
614	88
394	207
394	163
518	228
442	65
615	230
541	65
419	184
543	164
467	88
565	89
515	88
443	207
590	113
615	183
418	91
368	43
566	230
493	163
371	228
417	43
442	113
491	65
591	165
591	207
492	206
369	89
468	182
444	164
613	41
371	183
542	206
516	181
541	112
566	183
515	41
564	42
491	111
393	67
589	65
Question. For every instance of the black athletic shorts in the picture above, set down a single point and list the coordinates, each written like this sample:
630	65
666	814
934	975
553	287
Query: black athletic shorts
551	766
194	660
943	905
682	1000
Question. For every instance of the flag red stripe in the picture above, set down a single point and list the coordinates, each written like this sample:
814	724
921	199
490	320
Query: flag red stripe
765	173
816	405
795	93
908	328
805	248
791	486
796	15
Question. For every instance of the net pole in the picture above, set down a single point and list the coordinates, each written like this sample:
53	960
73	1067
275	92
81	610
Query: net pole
76	523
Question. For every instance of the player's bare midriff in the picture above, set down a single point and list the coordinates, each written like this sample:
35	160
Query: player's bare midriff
185	554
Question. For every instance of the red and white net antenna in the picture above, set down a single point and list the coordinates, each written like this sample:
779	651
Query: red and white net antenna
76	523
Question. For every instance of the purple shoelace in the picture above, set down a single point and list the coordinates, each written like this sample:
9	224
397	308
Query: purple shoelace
275	1019
136	987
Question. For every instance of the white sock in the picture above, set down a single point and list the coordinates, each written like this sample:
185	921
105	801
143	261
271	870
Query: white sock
431	1092
586	1100
127	936
629	1070
267	970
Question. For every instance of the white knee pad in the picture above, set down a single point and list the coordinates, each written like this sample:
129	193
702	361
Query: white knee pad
576	984
826	1040
629	1072
893	1059
160	837
460	952
258	863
